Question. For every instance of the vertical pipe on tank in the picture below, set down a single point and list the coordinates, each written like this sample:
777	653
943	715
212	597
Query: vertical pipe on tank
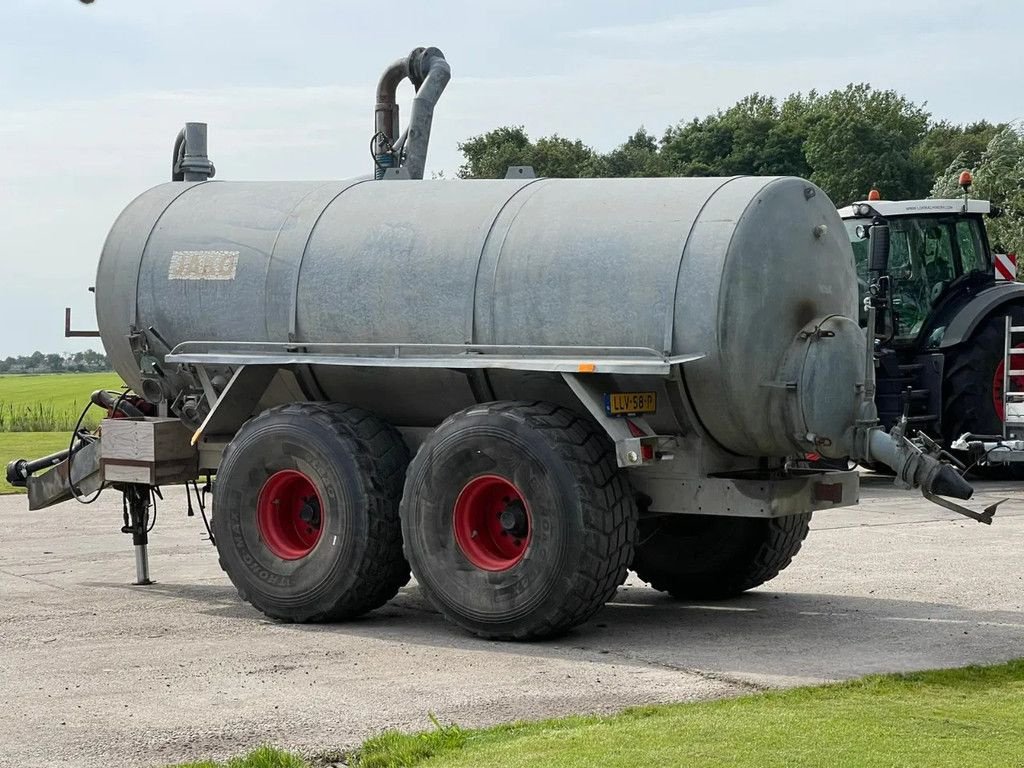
435	74
385	115
190	161
429	73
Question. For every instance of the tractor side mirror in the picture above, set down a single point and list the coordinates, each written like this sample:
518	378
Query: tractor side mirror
879	256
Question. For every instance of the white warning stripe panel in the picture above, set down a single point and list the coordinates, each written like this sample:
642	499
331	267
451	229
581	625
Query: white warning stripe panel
203	265
1006	266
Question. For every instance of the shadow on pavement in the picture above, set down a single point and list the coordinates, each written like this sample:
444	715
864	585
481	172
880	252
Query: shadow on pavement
761	635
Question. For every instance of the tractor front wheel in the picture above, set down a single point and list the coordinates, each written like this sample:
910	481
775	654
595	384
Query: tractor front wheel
973	391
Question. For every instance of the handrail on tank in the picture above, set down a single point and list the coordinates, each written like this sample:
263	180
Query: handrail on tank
429	73
552	359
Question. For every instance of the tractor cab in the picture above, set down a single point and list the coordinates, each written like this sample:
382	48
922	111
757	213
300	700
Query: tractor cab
940	313
938	255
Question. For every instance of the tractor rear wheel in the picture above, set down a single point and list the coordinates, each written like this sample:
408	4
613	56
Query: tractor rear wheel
713	557
306	512
973	391
517	521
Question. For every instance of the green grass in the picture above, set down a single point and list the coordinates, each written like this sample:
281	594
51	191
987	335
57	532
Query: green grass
392	748
263	757
49	402
960	717
28	445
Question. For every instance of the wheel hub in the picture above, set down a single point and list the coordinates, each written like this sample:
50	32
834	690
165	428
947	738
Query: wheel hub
289	514
492	523
513	519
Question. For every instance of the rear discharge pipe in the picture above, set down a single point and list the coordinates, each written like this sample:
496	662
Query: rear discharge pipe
915	469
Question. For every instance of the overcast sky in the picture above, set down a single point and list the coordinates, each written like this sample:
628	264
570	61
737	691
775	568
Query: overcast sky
91	96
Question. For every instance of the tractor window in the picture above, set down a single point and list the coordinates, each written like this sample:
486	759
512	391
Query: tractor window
860	264
926	254
972	252
922	265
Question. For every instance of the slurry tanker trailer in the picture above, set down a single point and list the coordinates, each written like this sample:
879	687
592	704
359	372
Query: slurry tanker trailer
517	389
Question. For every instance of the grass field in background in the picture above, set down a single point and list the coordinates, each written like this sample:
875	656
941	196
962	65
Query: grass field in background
960	717
38	412
49	402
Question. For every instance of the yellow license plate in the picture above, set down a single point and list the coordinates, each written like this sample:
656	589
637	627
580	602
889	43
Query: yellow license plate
630	403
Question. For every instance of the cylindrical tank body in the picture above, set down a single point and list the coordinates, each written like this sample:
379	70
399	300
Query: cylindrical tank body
729	268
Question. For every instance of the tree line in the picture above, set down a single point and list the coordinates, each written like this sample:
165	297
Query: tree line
847	141
88	361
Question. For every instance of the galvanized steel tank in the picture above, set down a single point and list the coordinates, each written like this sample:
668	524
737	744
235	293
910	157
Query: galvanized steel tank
730	268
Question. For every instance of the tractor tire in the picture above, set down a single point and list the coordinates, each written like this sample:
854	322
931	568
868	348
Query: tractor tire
306	512
973	386
517	521
713	557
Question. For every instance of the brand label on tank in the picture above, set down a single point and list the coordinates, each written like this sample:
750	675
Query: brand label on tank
203	265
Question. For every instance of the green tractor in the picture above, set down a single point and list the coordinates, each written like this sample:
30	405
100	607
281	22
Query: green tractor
941	309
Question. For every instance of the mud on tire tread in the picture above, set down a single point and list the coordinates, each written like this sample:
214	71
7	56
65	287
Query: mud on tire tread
608	516
382	457
761	549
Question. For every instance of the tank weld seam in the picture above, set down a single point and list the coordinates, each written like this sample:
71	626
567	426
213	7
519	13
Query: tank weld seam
691	411
471	330
293	320
719	317
277	239
145	246
670	318
498	256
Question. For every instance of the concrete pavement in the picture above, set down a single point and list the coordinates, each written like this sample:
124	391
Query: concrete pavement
95	672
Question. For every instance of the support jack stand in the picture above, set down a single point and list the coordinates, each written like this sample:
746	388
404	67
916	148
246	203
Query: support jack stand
136	504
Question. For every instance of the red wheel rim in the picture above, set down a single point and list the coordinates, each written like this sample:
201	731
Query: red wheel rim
1016	382
492	523
289	514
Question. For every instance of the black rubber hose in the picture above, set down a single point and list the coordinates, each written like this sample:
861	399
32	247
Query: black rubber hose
114	401
949	482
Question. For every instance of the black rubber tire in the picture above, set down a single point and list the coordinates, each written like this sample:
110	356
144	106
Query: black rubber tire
967	391
713	557
583	516
357	463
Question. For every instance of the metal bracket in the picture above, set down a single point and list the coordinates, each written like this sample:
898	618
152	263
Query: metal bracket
817	333
70	334
520	172
54	486
982	517
396	174
237	402
631	450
